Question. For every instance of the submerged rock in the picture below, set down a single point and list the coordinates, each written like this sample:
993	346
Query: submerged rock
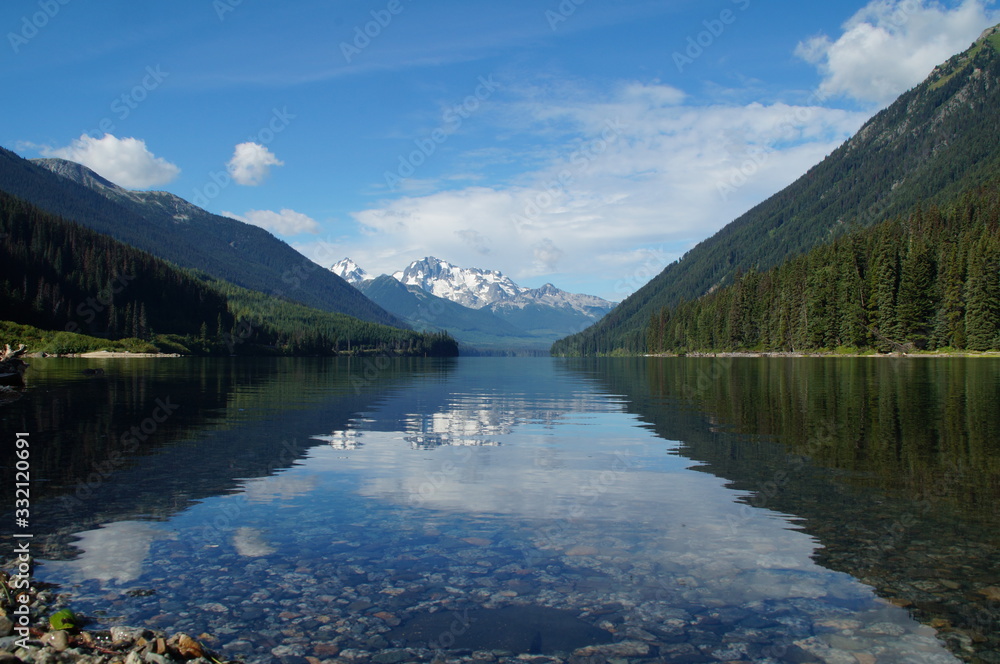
522	629
622	649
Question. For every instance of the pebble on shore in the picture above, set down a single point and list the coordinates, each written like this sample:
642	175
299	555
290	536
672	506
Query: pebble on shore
119	645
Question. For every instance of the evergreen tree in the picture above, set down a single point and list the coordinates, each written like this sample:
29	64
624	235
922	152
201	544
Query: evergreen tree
983	297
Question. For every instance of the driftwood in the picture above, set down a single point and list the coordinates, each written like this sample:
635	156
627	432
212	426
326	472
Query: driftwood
9	354
12	367
896	346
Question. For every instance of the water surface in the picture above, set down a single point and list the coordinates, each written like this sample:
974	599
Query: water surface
687	510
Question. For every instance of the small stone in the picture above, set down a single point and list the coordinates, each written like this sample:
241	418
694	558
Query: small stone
6	626
865	658
26	654
377	642
238	646
140	592
678	650
390	656
123	634
477	541
621	649
213	607
838	623
395	592
389	619
992	593
639	634
847	643
58	639
287	651
156	658
885	629
582	550
186	647
326	650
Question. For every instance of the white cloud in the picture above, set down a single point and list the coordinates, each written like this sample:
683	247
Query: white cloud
114	553
635	175
251	164
125	161
891	45
285	222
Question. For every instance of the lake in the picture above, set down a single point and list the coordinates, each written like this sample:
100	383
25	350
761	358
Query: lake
649	509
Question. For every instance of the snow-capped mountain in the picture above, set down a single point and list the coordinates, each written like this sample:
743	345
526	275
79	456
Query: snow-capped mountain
555	297
470	287
477	288
524	317
350	272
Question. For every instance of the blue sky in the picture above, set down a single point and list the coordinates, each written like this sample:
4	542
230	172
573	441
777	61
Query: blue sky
587	143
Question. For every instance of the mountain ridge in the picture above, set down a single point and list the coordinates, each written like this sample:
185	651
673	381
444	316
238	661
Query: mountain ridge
475	288
66	288
176	230
482	308
936	140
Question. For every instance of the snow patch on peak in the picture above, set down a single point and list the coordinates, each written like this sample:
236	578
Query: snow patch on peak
471	287
477	288
350	271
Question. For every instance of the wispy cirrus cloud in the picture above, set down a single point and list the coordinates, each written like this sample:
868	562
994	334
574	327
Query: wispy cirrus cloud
636	168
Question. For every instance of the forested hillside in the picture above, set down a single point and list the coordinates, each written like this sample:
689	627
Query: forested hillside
61	277
57	275
930	280
935	141
173	229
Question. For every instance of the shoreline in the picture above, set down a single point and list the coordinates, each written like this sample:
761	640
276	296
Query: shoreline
57	636
116	354
101	354
98	354
792	354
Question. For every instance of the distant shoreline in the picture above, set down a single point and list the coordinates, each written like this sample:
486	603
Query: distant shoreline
115	354
98	354
788	354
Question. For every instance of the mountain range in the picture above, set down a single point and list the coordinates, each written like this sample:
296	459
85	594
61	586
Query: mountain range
481	308
65	288
171	228
252	268
936	141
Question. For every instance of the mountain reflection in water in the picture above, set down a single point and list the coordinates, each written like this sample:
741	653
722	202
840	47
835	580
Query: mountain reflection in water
691	510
